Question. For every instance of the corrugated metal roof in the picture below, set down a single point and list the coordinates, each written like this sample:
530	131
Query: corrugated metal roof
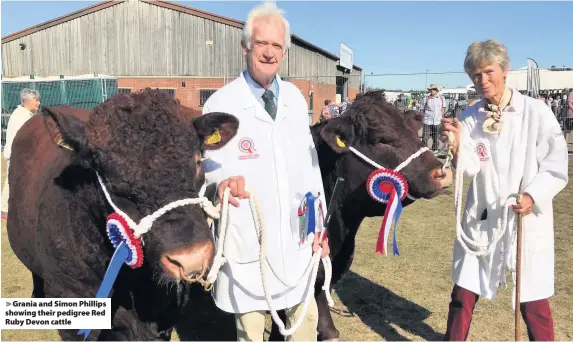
164	4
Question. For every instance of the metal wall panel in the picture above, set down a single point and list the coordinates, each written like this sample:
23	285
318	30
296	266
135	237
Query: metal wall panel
135	38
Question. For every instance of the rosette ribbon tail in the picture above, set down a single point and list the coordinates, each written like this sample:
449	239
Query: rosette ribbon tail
311	220
391	217
119	257
396	217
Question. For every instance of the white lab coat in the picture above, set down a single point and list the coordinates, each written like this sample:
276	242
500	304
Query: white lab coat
530	145
280	169
19	117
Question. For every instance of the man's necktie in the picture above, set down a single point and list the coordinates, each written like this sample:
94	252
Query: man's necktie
270	106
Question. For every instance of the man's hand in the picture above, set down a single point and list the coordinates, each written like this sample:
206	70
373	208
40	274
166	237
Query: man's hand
454	126
525	206
325	248
237	186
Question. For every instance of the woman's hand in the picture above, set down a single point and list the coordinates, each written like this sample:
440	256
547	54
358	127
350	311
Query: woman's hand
454	127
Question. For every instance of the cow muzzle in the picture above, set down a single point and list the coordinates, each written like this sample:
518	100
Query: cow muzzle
189	264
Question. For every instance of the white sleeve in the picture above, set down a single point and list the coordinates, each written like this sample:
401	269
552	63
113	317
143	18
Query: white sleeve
16	121
468	159
552	159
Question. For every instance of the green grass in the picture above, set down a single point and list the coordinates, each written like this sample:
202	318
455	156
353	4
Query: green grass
395	298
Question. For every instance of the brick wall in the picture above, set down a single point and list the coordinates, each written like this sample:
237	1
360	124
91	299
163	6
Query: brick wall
189	95
352	92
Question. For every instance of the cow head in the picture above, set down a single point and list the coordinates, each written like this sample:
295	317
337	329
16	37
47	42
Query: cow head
380	132
149	153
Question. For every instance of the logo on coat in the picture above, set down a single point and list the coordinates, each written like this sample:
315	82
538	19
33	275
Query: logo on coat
482	152
247	147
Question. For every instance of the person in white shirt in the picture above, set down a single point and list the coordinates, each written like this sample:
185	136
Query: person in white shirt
273	157
29	103
503	140
434	110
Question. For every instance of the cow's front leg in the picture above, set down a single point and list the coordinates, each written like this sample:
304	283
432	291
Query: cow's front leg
326	329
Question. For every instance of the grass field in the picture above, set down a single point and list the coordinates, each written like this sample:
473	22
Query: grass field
396	298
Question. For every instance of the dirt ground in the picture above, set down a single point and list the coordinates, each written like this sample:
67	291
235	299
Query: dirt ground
395	298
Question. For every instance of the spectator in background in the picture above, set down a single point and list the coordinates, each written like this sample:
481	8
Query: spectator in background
344	105
568	123
29	103
401	103
434	110
329	111
415	105
326	114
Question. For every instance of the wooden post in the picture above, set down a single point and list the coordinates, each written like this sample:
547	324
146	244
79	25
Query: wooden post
518	267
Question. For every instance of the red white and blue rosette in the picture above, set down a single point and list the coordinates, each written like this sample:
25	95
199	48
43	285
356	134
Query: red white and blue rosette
118	231
128	251
388	187
381	182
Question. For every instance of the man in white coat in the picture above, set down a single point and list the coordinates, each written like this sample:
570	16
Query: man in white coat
273	157
502	139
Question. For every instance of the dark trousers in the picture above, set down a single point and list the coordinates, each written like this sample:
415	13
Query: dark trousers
536	314
432	131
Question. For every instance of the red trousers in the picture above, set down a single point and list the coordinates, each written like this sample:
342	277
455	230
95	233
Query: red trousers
536	314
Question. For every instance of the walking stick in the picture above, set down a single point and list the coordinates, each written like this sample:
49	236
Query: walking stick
518	267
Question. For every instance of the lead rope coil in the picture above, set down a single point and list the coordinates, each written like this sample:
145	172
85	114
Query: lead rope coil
483	247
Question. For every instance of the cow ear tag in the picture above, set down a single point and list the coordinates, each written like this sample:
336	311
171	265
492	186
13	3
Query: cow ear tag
213	138
63	144
339	142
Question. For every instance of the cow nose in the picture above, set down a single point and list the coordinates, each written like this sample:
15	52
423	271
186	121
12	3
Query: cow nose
441	178
188	263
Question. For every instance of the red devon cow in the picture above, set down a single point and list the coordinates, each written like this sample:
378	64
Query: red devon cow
364	146
125	179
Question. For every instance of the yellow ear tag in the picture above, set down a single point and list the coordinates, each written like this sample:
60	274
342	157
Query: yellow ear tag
64	145
339	142
213	138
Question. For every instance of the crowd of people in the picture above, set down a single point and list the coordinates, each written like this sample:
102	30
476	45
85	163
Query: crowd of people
435	106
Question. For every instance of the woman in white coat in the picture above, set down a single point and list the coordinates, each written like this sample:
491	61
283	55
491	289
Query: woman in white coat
273	156
29	103
501	140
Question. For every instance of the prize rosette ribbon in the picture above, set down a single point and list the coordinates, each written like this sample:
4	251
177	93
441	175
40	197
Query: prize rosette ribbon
388	187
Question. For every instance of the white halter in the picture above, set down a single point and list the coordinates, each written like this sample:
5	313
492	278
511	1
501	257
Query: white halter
398	168
146	222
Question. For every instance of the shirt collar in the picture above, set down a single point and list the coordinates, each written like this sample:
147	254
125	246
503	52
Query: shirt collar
257	89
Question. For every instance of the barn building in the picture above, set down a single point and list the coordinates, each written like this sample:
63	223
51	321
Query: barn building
188	52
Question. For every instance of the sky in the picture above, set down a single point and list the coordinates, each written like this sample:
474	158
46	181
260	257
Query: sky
389	37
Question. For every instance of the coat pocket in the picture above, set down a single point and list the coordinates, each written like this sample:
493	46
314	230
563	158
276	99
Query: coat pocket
537	234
